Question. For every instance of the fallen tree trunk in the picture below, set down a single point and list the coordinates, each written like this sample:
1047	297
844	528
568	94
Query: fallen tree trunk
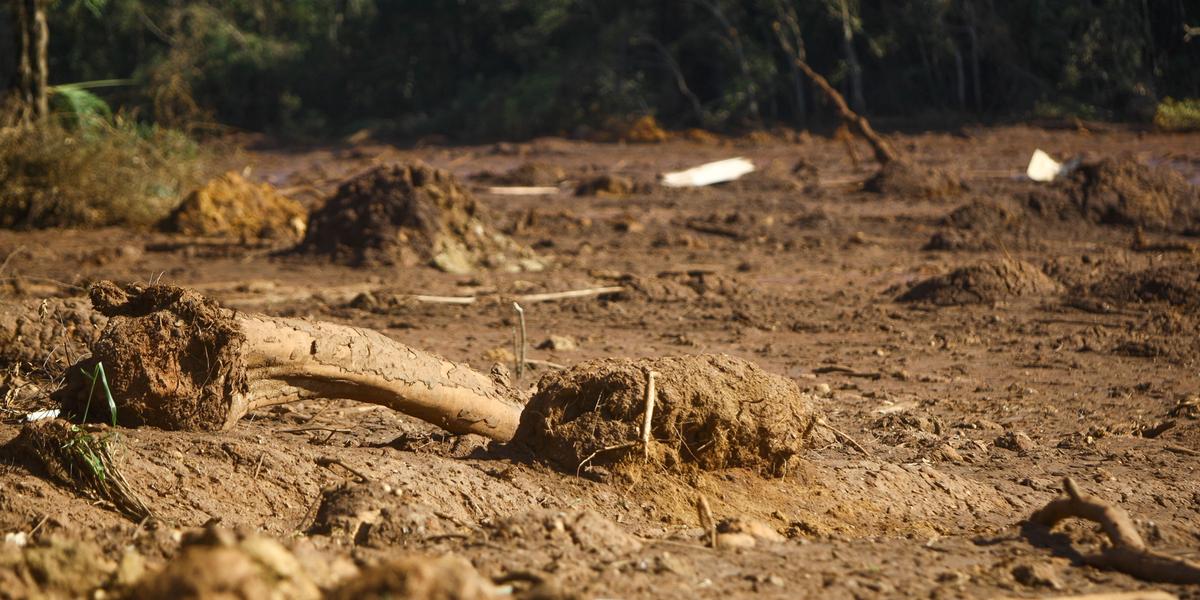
177	360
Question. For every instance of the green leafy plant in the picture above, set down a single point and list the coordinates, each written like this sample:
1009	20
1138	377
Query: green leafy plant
77	107
97	376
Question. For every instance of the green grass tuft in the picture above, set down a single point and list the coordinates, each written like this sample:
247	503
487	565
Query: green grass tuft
107	172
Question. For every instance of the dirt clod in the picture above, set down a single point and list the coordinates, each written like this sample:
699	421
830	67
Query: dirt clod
410	214
712	412
230	206
609	185
982	283
419	578
222	566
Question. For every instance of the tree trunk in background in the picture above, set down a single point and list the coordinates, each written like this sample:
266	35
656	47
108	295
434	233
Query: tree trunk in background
856	91
33	71
961	76
973	36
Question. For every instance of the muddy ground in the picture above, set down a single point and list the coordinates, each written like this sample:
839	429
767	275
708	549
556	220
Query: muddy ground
1045	346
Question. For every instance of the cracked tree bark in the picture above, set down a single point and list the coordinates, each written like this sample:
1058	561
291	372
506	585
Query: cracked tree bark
177	360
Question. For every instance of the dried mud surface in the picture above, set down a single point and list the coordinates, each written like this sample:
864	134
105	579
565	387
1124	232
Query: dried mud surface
965	415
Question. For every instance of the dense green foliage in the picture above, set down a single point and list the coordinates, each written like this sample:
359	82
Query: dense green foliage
522	67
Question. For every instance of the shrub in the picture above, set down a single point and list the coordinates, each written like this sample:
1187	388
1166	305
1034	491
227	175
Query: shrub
111	172
1178	115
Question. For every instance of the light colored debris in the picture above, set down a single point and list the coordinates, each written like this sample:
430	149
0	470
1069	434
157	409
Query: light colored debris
709	173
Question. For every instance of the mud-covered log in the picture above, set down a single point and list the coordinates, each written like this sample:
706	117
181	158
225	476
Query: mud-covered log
177	360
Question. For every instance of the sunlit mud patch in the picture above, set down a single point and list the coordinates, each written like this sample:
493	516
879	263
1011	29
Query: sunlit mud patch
230	206
411	214
982	283
419	578
711	412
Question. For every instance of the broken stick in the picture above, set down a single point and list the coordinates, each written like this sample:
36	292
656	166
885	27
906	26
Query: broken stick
651	398
1128	553
177	360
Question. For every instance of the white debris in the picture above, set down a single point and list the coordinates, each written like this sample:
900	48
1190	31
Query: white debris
18	539
710	173
1043	168
42	414
536	190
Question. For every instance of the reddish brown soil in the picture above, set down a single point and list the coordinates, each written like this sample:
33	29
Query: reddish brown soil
970	413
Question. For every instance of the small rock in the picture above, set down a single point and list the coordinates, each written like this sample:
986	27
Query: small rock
823	389
558	343
1038	575
757	529
1016	441
947	453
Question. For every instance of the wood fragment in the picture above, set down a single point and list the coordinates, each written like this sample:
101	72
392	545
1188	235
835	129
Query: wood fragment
707	522
1128	553
328	462
648	416
519	341
843	436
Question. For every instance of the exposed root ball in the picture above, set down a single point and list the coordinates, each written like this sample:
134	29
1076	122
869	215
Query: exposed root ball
982	283
197	348
712	412
230	206
897	178
410	214
418	578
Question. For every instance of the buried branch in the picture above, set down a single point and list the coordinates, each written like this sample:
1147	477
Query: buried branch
177	360
1127	552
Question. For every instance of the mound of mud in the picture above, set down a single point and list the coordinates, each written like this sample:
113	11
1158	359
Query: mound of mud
527	174
230	206
45	335
1128	193
908	181
586	530
410	214
712	412
418	577
198	345
1173	284
982	283
645	130
978	226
